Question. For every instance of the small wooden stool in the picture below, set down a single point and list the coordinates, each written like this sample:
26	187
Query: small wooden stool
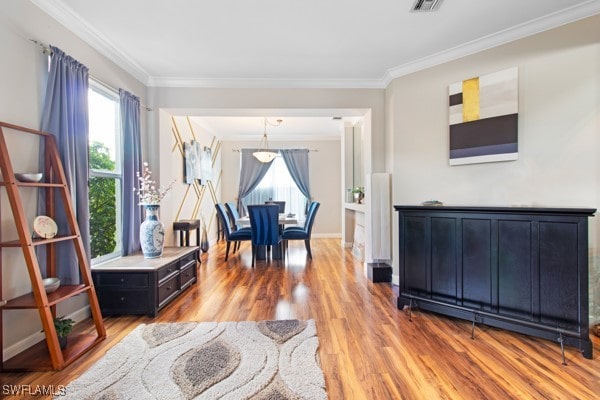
184	226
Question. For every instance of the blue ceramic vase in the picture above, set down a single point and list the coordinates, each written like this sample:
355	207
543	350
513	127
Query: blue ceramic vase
152	233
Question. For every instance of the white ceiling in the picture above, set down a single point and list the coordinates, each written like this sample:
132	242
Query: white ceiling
315	43
293	43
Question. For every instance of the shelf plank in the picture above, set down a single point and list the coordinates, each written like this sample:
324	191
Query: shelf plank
37	357
35	184
39	241
27	301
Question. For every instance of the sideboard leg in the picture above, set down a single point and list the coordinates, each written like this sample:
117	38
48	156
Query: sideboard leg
410	307
473	327
562	348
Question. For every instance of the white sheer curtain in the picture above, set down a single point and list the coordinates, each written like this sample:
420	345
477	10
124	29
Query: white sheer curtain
277	184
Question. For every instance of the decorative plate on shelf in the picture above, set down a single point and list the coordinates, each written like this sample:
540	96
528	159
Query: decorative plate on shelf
45	226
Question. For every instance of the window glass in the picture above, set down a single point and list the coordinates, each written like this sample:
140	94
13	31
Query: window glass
105	173
104	126
278	185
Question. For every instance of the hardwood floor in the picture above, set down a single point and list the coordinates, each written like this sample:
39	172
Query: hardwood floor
368	348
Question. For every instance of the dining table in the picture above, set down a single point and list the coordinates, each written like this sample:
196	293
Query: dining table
284	219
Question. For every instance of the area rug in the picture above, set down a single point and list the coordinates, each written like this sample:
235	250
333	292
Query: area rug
208	360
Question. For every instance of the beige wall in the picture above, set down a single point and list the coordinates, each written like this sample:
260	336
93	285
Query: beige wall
559	129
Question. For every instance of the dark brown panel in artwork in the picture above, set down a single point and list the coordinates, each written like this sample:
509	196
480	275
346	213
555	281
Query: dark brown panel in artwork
484	132
455	99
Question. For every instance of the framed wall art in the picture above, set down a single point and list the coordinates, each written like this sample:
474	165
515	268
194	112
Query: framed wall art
483	118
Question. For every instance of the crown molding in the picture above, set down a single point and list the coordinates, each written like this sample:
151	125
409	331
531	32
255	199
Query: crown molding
266	83
550	21
67	17
73	22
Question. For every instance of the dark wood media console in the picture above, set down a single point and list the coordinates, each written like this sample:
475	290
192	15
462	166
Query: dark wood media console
521	269
137	285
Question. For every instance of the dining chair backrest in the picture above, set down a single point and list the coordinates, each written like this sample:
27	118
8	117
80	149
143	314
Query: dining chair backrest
281	205
264	223
310	216
222	212
233	213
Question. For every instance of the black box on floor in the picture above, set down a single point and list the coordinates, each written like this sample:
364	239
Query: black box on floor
379	272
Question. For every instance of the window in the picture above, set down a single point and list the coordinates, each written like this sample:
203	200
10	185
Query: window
277	184
105	173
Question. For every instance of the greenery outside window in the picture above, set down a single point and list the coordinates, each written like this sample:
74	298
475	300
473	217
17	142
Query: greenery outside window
105	155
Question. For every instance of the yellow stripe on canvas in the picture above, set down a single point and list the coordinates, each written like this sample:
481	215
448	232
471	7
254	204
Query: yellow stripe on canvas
470	89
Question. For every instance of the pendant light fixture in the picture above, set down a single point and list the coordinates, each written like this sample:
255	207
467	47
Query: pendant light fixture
264	155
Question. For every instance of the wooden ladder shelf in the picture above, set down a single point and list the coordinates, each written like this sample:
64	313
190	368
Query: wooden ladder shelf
45	355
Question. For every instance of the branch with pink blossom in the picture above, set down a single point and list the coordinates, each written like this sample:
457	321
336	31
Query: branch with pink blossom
148	191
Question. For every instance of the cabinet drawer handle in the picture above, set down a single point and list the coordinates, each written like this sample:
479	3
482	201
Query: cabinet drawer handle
122	280
122	298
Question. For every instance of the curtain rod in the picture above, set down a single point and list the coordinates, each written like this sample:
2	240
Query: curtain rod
46	50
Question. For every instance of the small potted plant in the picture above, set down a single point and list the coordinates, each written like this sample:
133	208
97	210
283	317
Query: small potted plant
359	194
63	327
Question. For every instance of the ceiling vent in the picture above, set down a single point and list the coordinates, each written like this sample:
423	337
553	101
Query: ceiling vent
426	5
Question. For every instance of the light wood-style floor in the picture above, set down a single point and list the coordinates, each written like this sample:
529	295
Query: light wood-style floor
368	348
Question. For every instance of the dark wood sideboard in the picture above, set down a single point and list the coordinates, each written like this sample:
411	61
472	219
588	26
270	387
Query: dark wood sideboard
137	285
521	269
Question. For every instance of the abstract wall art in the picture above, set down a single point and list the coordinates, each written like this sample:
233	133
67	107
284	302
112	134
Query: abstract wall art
483	118
206	164
190	162
198	163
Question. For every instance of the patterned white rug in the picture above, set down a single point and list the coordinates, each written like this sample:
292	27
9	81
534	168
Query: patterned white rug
208	360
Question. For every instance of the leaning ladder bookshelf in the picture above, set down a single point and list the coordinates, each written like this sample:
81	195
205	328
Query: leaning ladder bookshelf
46	355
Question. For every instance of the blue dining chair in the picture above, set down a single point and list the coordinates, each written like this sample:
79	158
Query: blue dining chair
233	213
302	232
264	224
231	235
